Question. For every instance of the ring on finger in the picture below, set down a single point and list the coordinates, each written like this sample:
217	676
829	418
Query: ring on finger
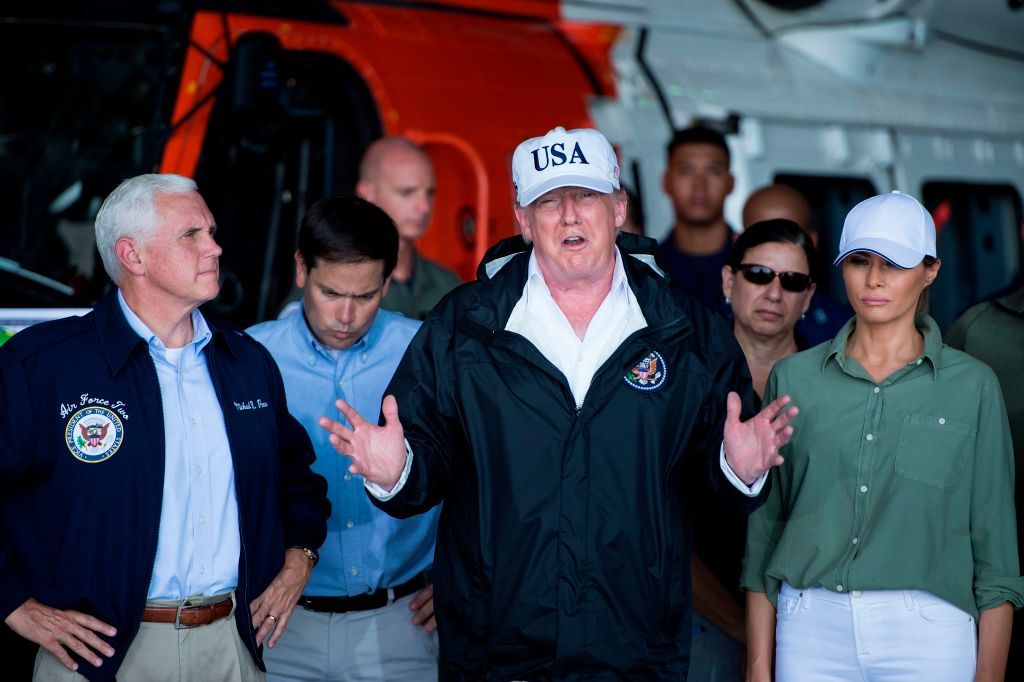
272	617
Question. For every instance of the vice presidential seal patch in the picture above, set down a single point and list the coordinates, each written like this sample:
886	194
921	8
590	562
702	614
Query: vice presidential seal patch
649	374
94	434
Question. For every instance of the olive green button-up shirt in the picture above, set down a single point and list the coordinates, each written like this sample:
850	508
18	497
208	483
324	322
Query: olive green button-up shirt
903	484
417	297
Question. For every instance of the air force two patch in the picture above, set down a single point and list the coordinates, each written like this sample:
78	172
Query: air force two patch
94	434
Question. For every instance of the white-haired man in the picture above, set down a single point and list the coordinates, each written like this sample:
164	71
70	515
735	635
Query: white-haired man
560	406
152	480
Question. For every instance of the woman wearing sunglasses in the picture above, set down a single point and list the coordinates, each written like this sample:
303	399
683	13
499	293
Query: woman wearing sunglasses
889	531
768	285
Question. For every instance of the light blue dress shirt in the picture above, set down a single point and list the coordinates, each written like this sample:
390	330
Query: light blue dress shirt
365	548
198	546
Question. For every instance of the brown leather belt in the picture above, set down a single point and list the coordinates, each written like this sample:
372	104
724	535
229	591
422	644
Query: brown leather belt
187	615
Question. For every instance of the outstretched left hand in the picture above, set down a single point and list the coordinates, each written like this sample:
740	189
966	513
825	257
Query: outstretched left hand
272	609
752	447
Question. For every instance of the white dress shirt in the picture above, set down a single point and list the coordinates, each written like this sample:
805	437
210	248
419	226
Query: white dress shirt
199	541
540	321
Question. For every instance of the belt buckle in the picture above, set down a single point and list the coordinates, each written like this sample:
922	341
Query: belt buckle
185	604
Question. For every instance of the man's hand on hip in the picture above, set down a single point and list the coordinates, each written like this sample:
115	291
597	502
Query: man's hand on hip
422	606
272	610
59	631
752	447
377	452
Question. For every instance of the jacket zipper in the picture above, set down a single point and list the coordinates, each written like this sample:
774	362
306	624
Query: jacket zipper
243	573
156	547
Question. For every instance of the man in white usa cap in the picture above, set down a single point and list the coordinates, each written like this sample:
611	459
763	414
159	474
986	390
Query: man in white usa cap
561	406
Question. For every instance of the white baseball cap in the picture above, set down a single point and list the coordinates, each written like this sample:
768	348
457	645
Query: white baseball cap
895	226
564	158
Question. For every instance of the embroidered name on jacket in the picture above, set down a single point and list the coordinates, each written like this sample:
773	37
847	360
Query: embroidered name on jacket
649	374
94	434
257	404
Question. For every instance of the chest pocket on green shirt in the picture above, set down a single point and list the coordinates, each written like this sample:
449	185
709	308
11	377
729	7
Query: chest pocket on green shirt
934	450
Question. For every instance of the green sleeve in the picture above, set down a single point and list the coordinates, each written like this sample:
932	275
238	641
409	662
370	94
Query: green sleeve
997	576
956	335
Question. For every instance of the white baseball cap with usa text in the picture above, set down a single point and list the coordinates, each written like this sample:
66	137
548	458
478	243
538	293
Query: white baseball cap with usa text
564	158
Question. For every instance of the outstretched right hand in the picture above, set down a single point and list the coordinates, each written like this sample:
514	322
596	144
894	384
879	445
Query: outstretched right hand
377	452
58	631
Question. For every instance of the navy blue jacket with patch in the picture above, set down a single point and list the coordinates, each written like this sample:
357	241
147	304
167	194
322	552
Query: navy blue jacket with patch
563	547
82	535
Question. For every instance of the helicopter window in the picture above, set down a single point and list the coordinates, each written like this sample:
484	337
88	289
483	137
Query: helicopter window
979	241
81	108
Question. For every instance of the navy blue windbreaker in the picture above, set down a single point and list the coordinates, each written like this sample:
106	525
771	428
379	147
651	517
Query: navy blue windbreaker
80	534
564	541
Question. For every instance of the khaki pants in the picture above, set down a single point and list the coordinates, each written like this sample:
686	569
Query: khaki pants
161	653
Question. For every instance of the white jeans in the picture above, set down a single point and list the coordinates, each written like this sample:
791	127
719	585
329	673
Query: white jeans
872	636
362	646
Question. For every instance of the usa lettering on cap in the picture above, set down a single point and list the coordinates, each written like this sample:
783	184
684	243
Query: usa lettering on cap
564	158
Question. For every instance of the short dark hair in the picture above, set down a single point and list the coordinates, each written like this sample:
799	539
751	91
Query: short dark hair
347	229
698	135
776	230
634	209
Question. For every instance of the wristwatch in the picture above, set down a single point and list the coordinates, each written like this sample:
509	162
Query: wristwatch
311	554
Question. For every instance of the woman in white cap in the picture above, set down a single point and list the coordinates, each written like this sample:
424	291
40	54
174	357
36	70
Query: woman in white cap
887	548
767	284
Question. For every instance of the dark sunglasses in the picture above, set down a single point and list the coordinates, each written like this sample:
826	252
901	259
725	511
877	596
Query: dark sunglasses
762	274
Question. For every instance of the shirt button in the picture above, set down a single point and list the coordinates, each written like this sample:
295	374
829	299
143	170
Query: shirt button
855	540
877	389
348	477
199	470
192	420
839	588
942	420
919	361
863	488
856	593
350	524
869	437
355	571
202	518
202	570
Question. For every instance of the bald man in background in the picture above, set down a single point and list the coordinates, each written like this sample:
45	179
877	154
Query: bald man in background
397	175
779	201
825	316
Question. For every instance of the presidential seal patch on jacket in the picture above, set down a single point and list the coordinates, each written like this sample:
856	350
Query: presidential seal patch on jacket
94	434
649	374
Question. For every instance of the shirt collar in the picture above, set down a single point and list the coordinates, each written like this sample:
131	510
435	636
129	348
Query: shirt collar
534	276
924	324
201	333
